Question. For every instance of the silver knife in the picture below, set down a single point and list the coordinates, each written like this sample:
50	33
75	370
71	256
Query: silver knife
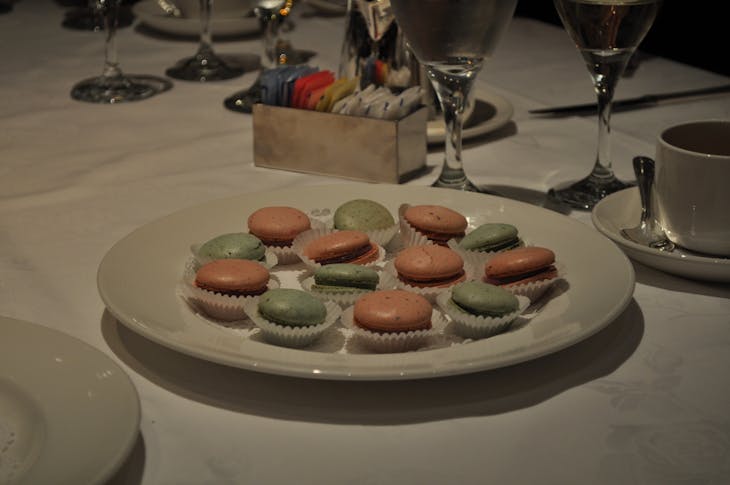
632	103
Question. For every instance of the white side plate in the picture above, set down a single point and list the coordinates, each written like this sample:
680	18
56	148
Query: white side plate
68	413
137	280
491	113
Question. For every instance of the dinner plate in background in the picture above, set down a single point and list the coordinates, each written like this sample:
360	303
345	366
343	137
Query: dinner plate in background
154	257
68	413
153	17
491	112
623	209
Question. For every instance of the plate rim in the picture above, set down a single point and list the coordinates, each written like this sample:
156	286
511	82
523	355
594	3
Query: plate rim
330	371
688	265
130	418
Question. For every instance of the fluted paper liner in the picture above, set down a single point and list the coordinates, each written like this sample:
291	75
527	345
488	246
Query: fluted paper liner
475	326
394	341
286	336
216	305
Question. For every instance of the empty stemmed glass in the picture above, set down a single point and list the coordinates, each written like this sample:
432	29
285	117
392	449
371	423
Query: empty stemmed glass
205	65
607	33
277	51
113	86
451	38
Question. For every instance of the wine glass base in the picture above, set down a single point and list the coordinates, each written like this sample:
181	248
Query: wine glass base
204	68
120	89
243	101
586	193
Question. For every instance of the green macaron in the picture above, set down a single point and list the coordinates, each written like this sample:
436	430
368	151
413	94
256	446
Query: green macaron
483	299
238	245
362	215
491	237
291	308
345	277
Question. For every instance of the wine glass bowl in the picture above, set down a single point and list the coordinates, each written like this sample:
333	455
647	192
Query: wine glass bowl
607	33
452	39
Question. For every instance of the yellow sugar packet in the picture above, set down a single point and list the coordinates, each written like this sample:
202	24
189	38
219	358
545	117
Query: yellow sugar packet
337	90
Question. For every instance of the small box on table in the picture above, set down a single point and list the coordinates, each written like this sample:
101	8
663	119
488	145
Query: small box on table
353	147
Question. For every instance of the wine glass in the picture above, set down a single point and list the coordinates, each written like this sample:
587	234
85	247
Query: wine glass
277	51
451	38
607	33
205	65
113	86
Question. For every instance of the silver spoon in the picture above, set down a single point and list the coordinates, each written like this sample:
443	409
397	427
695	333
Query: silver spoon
647	233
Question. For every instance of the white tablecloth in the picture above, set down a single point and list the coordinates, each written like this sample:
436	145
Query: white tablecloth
644	401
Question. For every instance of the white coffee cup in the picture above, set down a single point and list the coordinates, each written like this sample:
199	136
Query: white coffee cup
691	186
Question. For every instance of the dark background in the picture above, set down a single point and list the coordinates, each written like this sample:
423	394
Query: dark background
692	32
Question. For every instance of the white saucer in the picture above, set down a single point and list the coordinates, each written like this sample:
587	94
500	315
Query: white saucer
152	16
623	209
491	112
68	413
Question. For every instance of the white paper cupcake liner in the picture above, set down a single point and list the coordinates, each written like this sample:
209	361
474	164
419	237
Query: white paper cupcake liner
477	327
301	241
270	259
294	337
409	235
430	293
395	341
215	305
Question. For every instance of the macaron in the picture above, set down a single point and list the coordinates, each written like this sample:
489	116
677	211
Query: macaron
342	247
345	277
437	223
234	277
491	237
278	225
362	215
483	299
239	245
291	308
392	311
429	266
520	266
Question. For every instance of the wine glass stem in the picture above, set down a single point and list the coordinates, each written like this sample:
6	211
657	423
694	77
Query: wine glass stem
206	40
110	13
604	89
452	89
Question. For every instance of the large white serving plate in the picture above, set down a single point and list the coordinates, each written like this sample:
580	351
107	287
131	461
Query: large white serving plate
137	279
623	209
68	413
